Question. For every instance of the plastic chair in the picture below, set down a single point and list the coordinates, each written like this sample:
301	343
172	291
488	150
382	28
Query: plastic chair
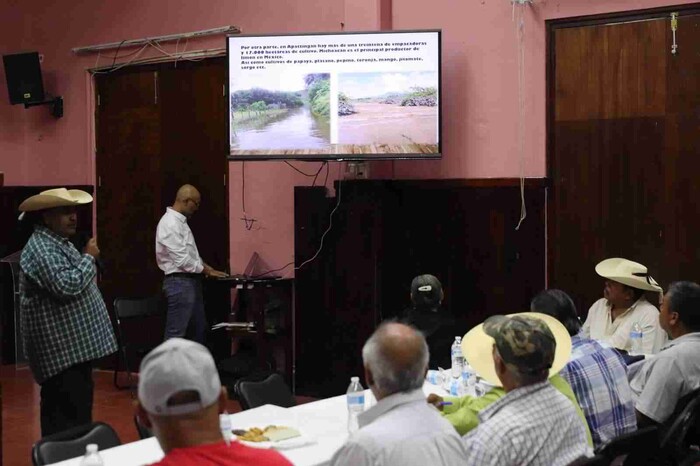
272	390
130	309
72	442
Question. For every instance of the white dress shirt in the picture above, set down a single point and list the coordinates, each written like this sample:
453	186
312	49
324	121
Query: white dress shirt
600	326
176	250
402	429
667	377
534	425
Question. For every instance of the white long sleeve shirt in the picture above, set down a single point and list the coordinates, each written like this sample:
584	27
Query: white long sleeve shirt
176	250
402	429
600	326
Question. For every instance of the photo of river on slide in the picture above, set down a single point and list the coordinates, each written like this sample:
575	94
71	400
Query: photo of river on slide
278	119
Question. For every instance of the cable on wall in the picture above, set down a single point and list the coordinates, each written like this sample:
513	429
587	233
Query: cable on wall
519	20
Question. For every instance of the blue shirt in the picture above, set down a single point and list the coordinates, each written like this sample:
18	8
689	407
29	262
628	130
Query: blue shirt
598	377
63	317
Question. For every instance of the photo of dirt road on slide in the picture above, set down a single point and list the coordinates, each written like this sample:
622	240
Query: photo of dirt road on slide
388	109
291	115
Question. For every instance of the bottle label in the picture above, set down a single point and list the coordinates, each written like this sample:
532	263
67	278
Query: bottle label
354	400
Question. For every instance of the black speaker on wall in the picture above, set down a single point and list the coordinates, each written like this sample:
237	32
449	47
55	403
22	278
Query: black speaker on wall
23	73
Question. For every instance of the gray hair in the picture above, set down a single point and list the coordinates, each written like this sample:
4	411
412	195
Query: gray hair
389	376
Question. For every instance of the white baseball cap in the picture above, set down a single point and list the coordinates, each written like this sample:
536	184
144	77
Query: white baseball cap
175	366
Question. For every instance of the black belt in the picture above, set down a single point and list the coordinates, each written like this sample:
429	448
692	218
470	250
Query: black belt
184	275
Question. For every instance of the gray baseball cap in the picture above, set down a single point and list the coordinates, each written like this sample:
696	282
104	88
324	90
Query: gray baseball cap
175	366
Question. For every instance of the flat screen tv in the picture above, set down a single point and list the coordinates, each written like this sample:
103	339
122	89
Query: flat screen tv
348	96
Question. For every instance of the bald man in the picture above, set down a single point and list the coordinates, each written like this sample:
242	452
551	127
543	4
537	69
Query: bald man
177	256
401	429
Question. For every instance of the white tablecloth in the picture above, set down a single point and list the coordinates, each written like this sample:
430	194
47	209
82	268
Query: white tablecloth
323	423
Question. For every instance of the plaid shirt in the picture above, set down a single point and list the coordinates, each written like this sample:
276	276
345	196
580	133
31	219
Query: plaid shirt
598	377
534	425
63	318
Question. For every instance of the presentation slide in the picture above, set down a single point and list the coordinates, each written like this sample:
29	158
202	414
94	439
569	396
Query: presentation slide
354	95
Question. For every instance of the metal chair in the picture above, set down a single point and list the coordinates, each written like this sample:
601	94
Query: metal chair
272	390
72	443
133	309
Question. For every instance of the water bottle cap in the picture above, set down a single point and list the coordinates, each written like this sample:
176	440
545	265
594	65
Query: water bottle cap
354	379
91	448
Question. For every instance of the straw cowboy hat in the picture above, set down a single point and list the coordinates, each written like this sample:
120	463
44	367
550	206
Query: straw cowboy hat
628	273
477	346
60	197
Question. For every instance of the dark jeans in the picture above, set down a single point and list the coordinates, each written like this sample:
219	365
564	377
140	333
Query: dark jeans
66	399
185	308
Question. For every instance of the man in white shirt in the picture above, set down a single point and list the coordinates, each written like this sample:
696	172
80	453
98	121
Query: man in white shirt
612	317
177	256
401	429
662	381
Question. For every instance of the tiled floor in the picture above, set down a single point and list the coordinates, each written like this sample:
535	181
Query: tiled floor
20	412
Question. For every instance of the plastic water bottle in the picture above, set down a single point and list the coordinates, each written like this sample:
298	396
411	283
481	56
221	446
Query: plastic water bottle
92	456
356	403
468	380
636	336
226	428
457	358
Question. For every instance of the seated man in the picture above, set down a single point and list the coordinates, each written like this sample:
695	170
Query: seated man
436	323
463	412
401	429
533	423
660	382
597	375
610	319
180	399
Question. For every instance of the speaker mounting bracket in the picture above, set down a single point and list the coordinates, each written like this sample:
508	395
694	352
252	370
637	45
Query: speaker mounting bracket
56	105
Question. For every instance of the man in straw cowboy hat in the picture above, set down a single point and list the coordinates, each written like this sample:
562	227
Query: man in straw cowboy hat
623	304
64	320
533	423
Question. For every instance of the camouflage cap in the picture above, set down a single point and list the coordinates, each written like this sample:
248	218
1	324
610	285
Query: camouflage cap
524	342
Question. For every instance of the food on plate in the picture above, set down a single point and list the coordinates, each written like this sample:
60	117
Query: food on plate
268	434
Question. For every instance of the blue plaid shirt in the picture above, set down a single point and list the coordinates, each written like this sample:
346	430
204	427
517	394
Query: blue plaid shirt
598	377
63	317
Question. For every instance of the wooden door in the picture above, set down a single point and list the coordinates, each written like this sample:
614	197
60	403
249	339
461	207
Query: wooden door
623	123
158	127
129	180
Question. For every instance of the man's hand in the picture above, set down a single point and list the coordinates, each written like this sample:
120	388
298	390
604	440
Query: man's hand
435	400
91	248
212	273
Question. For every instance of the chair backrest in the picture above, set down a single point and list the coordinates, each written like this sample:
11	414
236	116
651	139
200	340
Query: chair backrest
144	432
597	460
137	307
272	390
72	442
682	424
644	441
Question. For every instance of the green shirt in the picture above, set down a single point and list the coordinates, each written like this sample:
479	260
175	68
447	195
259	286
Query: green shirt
463	413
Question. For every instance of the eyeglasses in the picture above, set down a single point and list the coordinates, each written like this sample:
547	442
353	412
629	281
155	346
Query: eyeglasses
195	202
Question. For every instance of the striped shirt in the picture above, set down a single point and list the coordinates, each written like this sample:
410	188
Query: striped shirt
534	425
598	377
63	317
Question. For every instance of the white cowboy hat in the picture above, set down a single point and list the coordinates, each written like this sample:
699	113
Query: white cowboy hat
628	273
477	348
60	197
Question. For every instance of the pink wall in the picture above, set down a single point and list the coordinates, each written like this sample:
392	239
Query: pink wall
479	89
